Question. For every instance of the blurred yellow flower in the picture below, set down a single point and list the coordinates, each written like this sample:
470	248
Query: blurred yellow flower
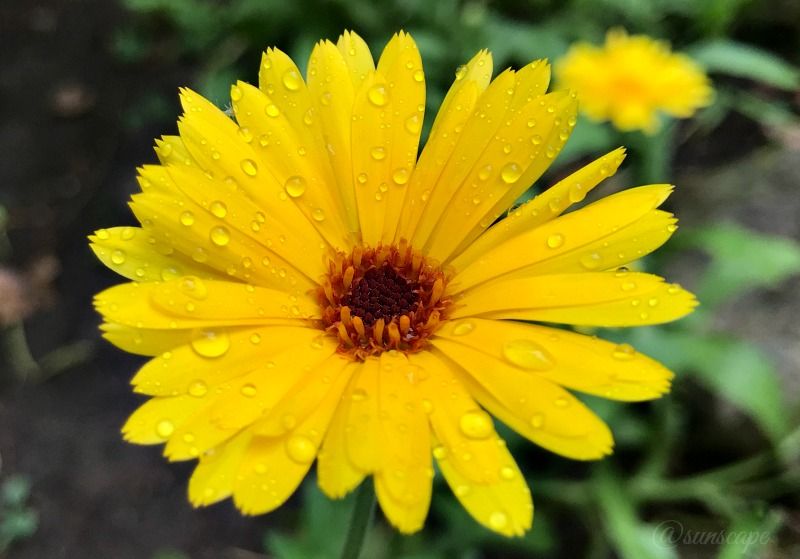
631	79
308	289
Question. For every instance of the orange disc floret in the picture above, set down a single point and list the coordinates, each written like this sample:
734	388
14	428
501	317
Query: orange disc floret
381	298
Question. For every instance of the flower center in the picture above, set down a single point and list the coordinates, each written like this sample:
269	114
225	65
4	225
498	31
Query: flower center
387	297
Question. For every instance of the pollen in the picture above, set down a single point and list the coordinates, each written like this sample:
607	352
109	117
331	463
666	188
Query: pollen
382	298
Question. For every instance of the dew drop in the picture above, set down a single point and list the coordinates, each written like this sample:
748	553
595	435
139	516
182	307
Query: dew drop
476	424
507	472
187	219
378	95
272	110
219	209
623	352
463	328
485	172
249	167
528	354
236	93
318	214
510	173
561	402
536	139
300	449
439	452
555	240
248	390
400	176
537	421
362	178
378	153
291	80
128	233
219	235
295	186
198	389
461	71
165	428
462	490
246	135
628	286
118	257
194	288
498	520
210	343
419	76
413	124
591	261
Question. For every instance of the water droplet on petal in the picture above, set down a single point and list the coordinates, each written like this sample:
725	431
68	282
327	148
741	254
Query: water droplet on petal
295	186
400	176
378	153
591	261
300	449
187	219
272	110
498	520
236	93
461	71
528	355
292	80
165	428
249	167
476	424
462	328
555	240
623	352
378	95
507	472
220	236
219	209
537	421
198	389
413	124
318	214
510	173
210	343
419	75
248	390
118	257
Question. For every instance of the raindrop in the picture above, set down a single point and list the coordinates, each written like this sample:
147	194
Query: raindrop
272	110
165	428
300	449
400	176
220	236
246	135
378	153
485	172
318	214
623	352
291	80
510	173
249	167
236	93
194	288
555	240
498	520
210	343
591	261
461	71
413	124
198	389
463	328
476	424
537	421
536	139
118	257
528	354
628	286
219	209
378	95
507	472
187	219
248	390
419	75
295	186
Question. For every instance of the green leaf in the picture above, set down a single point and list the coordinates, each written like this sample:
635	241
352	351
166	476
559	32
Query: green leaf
745	61
738	371
749	535
741	260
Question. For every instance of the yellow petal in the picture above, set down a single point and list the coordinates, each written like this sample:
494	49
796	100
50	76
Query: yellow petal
171	151
130	252
336	474
563	235
142	341
472	79
546	206
272	468
190	302
536	408
357	57
362	435
332	93
572	360
177	371
588	299
155	421
215	473
516	157
504	506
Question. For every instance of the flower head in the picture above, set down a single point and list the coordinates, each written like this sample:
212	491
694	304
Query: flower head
307	288
631	79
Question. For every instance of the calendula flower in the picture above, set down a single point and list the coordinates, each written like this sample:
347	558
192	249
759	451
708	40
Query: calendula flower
309	289
631	79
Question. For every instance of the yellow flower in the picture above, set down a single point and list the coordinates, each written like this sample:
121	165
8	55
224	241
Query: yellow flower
308	289
632	79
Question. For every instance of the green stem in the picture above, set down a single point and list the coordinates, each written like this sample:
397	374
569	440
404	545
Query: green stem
359	521
655	155
15	347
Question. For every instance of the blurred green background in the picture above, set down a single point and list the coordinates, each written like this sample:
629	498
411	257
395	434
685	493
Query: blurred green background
713	470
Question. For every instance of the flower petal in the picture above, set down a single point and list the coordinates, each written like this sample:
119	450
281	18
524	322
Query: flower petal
568	233
536	408
572	360
587	299
143	341
215	473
